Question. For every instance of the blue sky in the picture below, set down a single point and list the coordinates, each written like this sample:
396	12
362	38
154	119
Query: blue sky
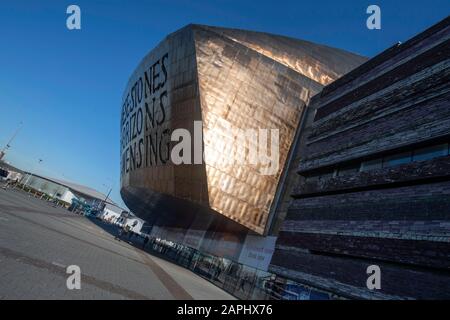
66	86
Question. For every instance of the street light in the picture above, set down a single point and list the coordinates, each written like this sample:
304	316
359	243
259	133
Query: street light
8	145
30	174
103	203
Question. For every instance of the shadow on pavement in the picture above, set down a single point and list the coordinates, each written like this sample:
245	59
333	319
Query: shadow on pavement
131	238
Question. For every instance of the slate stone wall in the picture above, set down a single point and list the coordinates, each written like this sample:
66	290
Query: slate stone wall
395	217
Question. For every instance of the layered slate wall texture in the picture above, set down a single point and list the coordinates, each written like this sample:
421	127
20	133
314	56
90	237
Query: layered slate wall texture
344	218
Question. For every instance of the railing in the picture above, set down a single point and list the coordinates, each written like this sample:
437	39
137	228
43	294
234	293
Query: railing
241	281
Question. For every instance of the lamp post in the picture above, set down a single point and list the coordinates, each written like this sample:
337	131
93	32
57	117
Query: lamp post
30	174
8	145
103	203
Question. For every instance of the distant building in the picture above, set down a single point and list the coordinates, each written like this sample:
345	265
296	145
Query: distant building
111	213
72	195
9	172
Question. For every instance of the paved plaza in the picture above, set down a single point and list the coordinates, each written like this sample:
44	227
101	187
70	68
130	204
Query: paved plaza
39	241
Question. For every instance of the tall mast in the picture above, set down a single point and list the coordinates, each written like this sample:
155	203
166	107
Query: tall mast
8	145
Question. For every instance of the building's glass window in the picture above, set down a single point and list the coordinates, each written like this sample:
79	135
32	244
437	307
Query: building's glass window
421	154
430	152
372	164
320	176
242	281
397	159
351	169
327	174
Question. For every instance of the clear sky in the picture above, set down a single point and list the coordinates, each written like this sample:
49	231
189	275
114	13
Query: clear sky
66	86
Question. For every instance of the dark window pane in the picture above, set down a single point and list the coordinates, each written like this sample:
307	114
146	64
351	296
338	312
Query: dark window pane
430	152
348	170
326	175
371	165
397	159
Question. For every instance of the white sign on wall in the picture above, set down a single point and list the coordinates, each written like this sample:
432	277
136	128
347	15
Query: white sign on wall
193	238
257	251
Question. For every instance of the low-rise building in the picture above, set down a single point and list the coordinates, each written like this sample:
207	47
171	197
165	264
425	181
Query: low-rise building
73	196
9	172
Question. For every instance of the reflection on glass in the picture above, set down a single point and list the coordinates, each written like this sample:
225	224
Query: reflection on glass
348	170
397	159
372	165
430	152
242	281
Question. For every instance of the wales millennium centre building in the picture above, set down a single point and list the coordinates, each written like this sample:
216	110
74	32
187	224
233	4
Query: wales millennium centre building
206	95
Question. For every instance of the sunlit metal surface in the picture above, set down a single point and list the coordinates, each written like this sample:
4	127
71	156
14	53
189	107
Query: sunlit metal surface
250	80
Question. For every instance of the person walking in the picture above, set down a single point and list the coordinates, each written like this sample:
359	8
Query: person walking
119	235
145	242
244	280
